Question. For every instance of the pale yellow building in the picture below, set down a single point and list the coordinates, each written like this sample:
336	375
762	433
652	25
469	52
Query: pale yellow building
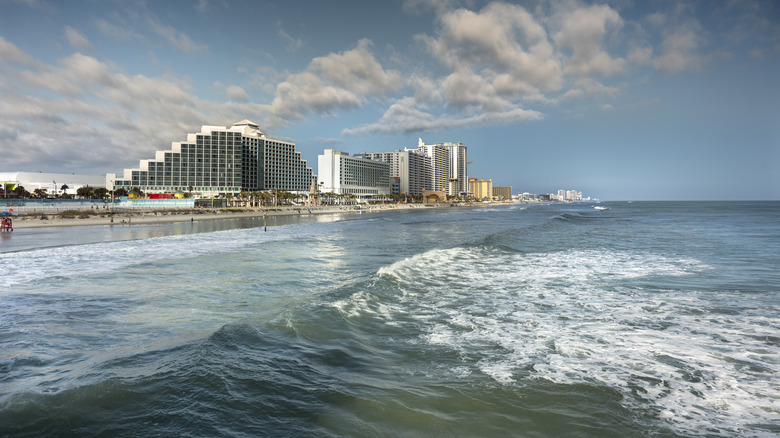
481	188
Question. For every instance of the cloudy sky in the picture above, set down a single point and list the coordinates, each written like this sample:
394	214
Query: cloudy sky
620	99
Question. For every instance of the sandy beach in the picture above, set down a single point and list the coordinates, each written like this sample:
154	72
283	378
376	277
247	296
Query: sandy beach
198	214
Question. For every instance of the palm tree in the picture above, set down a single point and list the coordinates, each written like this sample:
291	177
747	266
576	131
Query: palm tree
137	191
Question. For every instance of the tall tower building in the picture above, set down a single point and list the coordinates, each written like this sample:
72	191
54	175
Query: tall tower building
437	156
449	166
457	172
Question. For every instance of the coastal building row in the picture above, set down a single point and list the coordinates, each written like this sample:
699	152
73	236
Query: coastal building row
433	167
569	195
221	160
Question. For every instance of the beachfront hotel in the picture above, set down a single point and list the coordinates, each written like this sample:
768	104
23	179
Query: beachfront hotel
481	188
340	173
410	168
449	166
502	192
220	160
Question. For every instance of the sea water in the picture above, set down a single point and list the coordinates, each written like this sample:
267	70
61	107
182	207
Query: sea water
628	319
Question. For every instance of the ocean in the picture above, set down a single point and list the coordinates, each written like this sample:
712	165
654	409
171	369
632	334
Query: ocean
612	319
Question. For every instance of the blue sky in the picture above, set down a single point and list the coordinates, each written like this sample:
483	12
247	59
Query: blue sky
622	100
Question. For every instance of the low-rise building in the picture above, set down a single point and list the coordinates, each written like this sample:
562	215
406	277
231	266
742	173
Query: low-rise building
51	182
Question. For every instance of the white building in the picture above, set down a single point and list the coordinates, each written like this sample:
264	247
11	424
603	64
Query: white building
457	168
449	166
411	168
437	156
51	182
221	160
340	173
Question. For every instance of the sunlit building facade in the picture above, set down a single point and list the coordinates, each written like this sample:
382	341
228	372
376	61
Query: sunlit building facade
340	173
481	188
449	166
221	160
411	168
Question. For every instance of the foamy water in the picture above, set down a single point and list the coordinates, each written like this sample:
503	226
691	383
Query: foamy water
586	317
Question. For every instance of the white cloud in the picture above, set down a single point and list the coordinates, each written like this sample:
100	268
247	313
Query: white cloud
500	57
407	117
641	55
115	31
9	53
501	38
202	6
293	44
419	6
84	113
337	81
681	47
176	38
77	39
582	31
235	92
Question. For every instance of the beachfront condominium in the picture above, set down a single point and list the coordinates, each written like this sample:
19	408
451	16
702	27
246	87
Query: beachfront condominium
221	160
437	156
449	166
457	178
502	192
340	173
411	168
481	188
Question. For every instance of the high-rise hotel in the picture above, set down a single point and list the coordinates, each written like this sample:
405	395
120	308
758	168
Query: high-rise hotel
412	169
340	173
440	166
221	160
449	166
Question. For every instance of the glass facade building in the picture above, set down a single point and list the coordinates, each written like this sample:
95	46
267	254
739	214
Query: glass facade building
221	160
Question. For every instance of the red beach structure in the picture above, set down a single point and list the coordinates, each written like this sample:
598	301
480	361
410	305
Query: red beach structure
7	225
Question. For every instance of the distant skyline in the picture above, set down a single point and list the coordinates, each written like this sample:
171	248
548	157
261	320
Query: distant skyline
621	100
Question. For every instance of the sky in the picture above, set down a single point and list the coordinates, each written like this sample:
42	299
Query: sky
618	99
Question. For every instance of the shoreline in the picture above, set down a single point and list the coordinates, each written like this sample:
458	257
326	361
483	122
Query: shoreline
151	216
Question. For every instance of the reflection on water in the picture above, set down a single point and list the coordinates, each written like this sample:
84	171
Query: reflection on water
46	237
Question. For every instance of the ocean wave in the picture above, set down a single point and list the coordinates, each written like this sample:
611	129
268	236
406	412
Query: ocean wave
586	317
105	257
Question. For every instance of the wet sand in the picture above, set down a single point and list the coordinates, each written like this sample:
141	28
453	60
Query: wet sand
191	215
